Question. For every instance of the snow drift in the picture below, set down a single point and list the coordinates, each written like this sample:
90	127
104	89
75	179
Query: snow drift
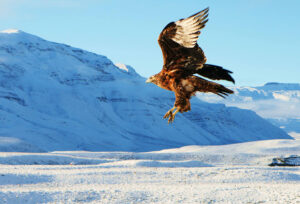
57	97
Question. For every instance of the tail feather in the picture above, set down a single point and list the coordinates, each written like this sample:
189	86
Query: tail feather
215	72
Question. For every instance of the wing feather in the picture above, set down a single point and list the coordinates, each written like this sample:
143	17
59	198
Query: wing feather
188	30
178	42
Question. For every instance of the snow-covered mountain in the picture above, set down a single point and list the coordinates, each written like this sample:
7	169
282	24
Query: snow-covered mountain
277	102
57	97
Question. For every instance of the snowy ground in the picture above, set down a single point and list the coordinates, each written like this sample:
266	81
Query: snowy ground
237	173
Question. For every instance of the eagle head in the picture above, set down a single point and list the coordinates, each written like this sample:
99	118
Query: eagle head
152	79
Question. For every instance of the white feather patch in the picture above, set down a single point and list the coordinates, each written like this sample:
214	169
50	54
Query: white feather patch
186	29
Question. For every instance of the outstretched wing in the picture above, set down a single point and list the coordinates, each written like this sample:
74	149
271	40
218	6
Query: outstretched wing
178	41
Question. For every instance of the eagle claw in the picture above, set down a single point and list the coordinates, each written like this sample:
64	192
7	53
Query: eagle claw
171	118
170	115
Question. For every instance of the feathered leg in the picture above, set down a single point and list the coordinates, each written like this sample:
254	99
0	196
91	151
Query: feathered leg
182	104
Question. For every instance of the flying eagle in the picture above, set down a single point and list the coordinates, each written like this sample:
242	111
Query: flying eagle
182	59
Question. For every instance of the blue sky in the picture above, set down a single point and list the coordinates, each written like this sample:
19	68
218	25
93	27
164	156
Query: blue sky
259	40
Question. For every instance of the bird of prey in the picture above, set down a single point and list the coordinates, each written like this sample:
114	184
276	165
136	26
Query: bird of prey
183	58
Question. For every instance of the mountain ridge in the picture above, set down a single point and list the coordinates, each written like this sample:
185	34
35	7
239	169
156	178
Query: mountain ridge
279	103
57	97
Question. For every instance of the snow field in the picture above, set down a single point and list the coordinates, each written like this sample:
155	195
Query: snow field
57	97
61	184
237	173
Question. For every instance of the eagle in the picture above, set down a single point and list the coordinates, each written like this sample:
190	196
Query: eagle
183	59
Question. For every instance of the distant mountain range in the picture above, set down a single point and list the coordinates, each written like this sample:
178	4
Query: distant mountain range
277	102
57	97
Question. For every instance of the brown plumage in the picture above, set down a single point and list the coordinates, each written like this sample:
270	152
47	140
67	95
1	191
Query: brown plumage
182	59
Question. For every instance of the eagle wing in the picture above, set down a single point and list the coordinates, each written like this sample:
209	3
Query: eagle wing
178	42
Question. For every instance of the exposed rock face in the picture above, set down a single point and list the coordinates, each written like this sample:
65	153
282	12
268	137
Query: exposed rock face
292	160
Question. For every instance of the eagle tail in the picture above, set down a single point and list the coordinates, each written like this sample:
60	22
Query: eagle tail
215	72
209	86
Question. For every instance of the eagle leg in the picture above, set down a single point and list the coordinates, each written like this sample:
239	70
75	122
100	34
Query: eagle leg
172	117
170	112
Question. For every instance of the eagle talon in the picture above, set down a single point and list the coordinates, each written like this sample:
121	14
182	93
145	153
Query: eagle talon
171	118
168	114
171	115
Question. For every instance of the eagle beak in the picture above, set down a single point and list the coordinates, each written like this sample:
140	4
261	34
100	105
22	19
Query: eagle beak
149	80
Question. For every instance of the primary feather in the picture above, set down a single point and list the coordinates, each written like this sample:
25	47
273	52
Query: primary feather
188	30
